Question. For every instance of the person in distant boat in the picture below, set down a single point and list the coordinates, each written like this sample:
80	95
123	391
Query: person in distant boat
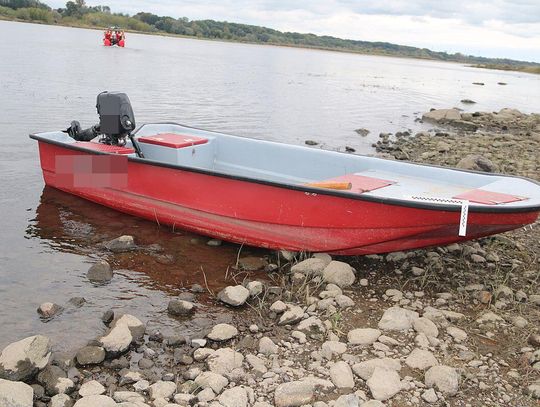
114	39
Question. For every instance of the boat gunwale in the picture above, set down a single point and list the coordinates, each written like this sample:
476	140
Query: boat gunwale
304	188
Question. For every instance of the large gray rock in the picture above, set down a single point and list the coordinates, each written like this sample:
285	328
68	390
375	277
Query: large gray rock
180	307
348	400
366	368
135	326
294	394
477	163
397	319
23	359
235	397
339	273
61	400
121	244
291	316
363	336
162	389
267	346
443	378
51	378
100	272
421	359
234	295
95	401
312	327
222	332
341	375
442	115
15	394
90	355
426	326
224	360
313	266
384	384
49	310
117	341
213	380
91	388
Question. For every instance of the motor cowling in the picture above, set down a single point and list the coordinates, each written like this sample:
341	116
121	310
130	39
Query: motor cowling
116	118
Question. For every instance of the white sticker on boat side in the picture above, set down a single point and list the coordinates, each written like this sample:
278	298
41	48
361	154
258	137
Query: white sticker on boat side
445	201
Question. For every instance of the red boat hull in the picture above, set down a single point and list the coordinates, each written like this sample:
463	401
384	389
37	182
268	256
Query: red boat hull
271	216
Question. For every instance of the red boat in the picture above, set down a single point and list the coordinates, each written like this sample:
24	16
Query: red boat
275	195
114	36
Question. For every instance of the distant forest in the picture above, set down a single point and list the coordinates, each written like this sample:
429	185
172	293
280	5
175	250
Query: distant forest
77	13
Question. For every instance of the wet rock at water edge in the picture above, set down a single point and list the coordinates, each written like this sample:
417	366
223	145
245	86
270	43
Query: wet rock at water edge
135	326
90	355
100	272
442	115
77	301
121	244
23	359
362	132
117	341
180	308
234	295
55	380
107	317
48	310
15	394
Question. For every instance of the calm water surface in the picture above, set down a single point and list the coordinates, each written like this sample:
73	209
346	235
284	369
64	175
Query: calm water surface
51	75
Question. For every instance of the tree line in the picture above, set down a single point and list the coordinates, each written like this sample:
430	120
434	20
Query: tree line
77	13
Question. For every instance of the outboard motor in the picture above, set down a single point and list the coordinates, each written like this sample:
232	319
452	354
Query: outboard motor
116	121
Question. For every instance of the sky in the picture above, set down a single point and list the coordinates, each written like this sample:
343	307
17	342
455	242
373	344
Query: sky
494	28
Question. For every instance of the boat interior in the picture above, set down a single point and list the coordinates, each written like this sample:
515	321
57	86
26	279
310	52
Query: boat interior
187	147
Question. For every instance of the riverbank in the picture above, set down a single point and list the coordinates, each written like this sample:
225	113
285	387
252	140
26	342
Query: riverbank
455	325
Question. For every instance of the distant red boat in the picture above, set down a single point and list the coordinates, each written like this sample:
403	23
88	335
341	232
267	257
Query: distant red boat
114	36
281	196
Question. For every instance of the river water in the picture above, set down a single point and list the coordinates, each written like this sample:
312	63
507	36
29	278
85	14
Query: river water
51	75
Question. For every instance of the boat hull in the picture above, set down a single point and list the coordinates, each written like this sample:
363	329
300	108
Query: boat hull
270	216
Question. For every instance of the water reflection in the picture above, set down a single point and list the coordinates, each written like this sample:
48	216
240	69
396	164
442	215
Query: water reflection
70	232
171	259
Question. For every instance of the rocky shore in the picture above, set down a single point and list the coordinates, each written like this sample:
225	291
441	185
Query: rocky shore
447	326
